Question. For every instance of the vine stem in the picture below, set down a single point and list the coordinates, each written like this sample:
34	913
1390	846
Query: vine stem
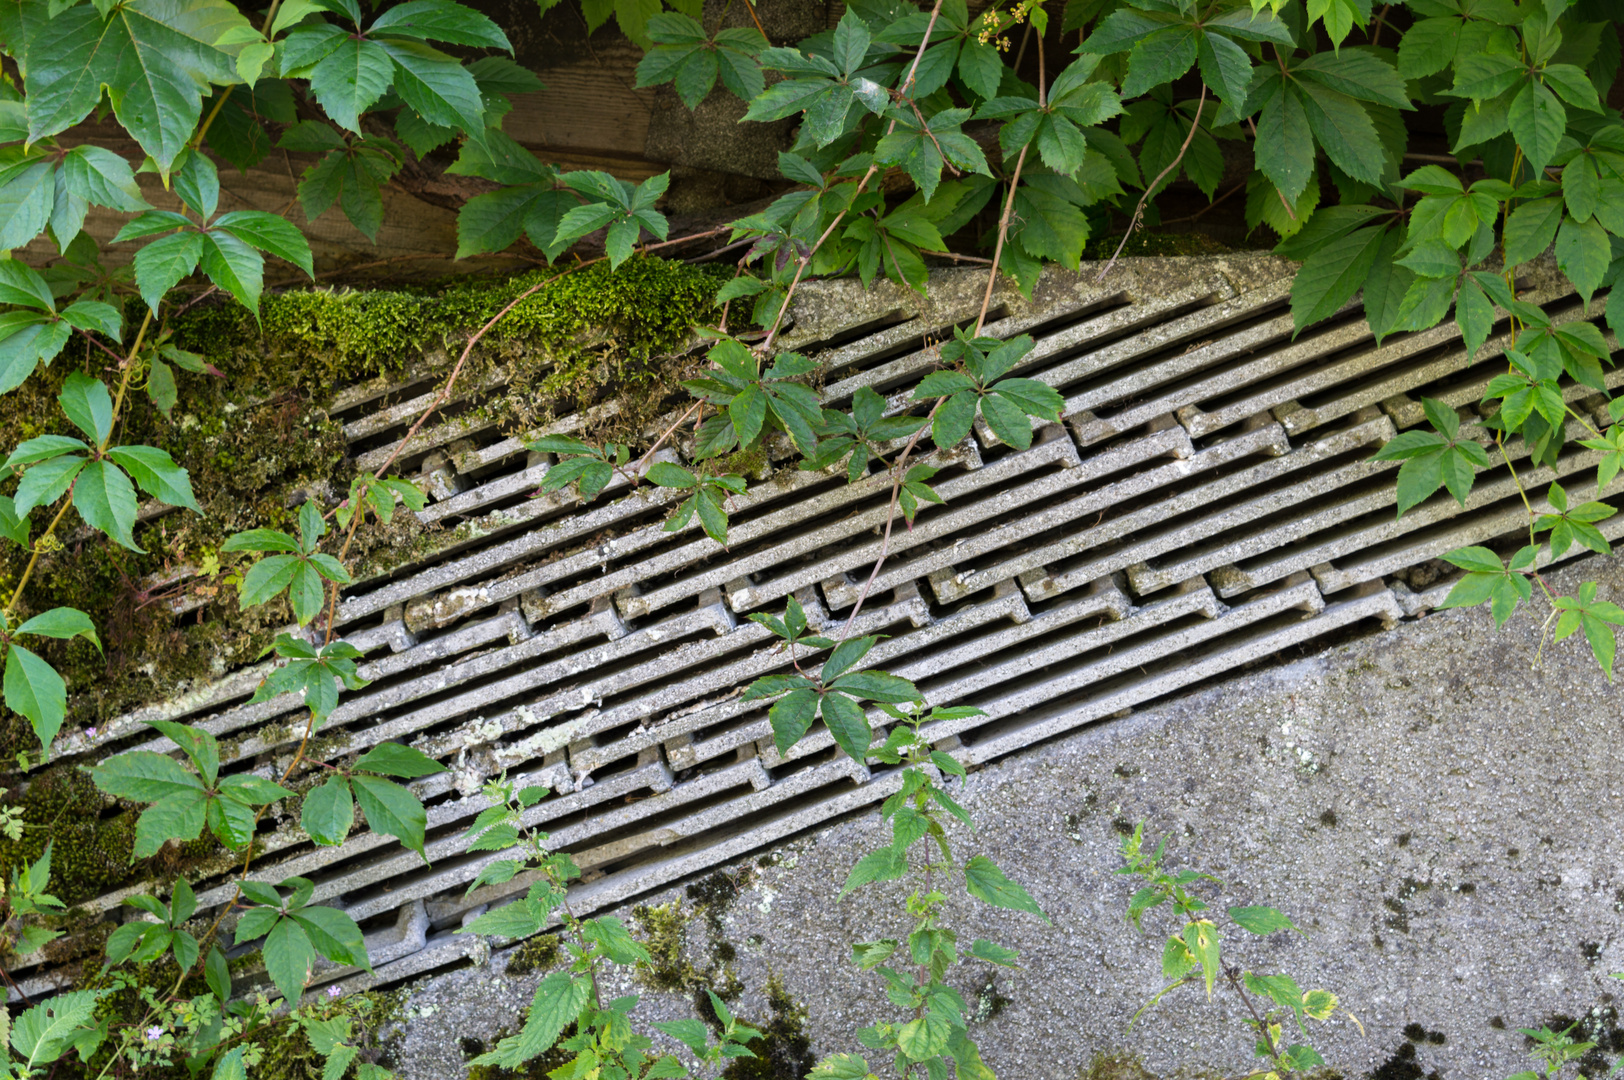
899	470
50	530
750	5
998	245
1139	210
439	400
88	336
637	466
1533	518
1234	980
806	260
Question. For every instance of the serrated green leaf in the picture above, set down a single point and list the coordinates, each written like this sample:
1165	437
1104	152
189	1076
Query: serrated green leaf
163	263
289	958
1583	252
34	689
395	759
1329	277
157	474
153	56
1261	921
558	1001
350	79
1537	121
105	499
988	884
391	809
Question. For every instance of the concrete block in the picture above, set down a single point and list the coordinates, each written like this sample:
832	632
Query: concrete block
1227	654
782	536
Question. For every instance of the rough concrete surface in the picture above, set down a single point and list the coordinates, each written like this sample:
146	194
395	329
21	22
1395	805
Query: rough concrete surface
1442	818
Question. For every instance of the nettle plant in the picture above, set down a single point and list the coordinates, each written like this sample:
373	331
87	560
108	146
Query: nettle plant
1277	1009
930	1035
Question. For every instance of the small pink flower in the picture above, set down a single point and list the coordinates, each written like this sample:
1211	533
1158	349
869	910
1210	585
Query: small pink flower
333	992
154	1033
90	733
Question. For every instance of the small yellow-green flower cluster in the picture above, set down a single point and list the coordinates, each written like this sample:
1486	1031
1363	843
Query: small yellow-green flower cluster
992	25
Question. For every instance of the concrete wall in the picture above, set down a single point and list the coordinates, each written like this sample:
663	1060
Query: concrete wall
1439	814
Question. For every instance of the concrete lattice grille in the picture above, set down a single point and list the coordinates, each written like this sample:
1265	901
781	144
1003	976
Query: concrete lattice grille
1209	501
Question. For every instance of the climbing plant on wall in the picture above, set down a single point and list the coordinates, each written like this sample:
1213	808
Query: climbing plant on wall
1315	91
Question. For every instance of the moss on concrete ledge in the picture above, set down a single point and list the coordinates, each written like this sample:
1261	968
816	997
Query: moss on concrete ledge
260	439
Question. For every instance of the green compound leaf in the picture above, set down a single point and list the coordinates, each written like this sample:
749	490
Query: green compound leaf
1488	581
1596	618
154	57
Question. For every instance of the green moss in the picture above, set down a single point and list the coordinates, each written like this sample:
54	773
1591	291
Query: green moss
90	854
664	933
284	1048
536	954
323	338
281	1046
1116	1065
248	961
753	462
784	1051
989	1002
260	440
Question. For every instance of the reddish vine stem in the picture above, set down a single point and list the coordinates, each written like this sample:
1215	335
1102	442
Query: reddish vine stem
900	468
637	466
1150	188
88	336
1268	1041
332	605
806	260
750	5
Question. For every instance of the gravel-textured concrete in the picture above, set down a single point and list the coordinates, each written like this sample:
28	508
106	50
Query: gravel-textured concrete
1442	818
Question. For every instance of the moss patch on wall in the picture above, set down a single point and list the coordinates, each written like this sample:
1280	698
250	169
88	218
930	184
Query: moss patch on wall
89	853
784	1051
260	440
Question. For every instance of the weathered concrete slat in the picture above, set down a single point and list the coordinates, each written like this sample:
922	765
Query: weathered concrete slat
1377	557
1059	719
1096	508
1206	455
1216	505
957	514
